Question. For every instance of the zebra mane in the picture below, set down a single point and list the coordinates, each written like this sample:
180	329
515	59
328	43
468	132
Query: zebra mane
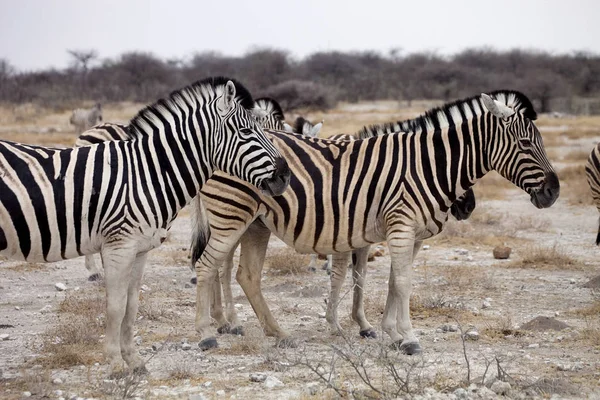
451	114
271	106
188	96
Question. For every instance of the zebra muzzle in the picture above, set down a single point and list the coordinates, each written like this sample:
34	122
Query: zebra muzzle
547	194
279	181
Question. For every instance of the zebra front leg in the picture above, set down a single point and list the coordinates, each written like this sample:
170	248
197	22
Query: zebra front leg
359	273
118	262
254	247
127	346
234	326
94	271
338	274
396	316
206	274
216	305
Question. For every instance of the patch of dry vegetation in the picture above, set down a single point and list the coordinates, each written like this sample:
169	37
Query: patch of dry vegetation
252	343
75	340
27	267
574	185
541	257
287	262
501	327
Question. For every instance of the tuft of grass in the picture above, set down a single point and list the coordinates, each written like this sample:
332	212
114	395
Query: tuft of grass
501	327
287	262
541	257
252	343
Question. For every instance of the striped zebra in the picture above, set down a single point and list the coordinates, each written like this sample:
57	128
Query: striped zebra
84	118
592	171
346	195
119	198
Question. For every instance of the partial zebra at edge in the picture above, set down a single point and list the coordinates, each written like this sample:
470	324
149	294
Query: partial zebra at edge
592	172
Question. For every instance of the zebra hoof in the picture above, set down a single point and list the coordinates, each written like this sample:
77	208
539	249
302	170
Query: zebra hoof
224	329
286	343
94	277
141	370
238	330
193	281
410	349
368	334
207	344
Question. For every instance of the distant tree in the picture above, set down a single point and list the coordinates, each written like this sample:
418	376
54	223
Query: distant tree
82	59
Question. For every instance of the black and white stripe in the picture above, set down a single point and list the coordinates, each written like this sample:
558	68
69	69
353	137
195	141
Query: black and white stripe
592	171
398	187
120	197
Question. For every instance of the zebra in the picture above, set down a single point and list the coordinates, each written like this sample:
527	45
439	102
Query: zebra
119	198
272	117
592	171
396	188
83	118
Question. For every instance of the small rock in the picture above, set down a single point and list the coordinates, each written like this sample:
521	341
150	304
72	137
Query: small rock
188	285
426	247
500	387
196	396
572	281
470	258
486	304
305	318
462	252
26	394
58	393
472	335
58	381
533	346
17	308
238	306
46	309
449	328
137	340
322	315
501	252
144	288
461	394
271	382
156	346
320	370
312	388
258	377
220	392
186	346
4	336
207	384
174	281
61	287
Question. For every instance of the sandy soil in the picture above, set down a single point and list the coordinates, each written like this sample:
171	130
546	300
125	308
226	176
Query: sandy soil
458	285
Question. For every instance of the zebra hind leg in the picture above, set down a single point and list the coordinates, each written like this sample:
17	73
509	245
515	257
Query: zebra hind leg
338	274
359	272
234	324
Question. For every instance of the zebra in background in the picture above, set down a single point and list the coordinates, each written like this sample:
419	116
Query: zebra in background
84	118
120	197
592	171
397	188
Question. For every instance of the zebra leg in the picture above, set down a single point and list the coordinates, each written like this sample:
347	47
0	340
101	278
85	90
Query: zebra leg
359	273
254	247
338	274
94	271
234	325
312	266
118	263
216	305
328	263
128	351
206	276
396	316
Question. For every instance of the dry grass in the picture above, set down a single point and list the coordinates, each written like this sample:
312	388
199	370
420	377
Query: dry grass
287	262
27	267
153	308
501	327
574	185
252	343
541	257
75	340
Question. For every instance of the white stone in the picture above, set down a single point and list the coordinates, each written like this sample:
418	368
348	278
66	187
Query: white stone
322	315
17	308
207	384
58	381
271	382
137	340
426	247
486	304
46	309
186	346
238	306
500	387
305	318
533	346
472	335
26	394
462	252
197	396
220	392
4	336
174	281
312	388
61	287
144	288
461	394
58	393
258	377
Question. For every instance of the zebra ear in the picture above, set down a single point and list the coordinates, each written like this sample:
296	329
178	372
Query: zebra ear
228	97
288	128
495	107
314	132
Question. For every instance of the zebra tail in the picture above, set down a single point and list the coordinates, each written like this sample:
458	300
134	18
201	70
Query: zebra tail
200	230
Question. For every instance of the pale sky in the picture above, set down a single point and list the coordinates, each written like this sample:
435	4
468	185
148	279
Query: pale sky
35	34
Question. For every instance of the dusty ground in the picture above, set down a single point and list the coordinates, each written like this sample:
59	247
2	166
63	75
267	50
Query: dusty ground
53	347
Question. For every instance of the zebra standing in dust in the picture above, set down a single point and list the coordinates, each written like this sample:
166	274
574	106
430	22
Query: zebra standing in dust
592	171
396	188
120	197
84	118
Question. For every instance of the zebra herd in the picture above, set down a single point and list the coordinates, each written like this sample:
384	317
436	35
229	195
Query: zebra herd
247	174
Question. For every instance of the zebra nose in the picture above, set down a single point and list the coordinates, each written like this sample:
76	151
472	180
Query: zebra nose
279	181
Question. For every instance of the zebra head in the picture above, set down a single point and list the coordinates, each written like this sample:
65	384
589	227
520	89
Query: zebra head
273	114
517	151
241	147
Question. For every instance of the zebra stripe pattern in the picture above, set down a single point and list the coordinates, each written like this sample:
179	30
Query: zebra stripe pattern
397	187
120	197
592	171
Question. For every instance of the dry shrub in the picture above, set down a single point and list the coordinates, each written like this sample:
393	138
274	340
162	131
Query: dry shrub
501	327
591	333
435	304
154	309
287	262
542	257
37	382
574	185
252	343
181	371
76	338
27	267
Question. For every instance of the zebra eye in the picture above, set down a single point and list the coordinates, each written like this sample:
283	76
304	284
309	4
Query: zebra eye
246	131
525	142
